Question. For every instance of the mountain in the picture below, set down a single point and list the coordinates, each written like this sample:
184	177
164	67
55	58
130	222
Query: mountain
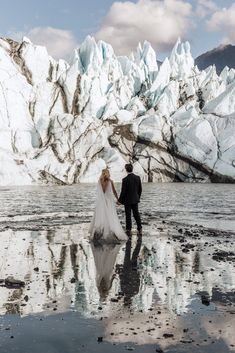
61	123
221	57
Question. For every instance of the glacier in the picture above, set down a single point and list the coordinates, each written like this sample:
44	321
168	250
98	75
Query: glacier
61	123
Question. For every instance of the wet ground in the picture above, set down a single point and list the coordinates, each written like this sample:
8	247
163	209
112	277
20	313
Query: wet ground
172	290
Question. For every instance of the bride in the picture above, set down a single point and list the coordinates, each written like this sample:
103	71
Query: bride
105	225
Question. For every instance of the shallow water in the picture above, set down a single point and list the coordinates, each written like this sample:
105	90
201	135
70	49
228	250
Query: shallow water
165	291
212	205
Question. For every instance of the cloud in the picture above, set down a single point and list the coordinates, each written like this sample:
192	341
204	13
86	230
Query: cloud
159	21
205	7
59	43
223	21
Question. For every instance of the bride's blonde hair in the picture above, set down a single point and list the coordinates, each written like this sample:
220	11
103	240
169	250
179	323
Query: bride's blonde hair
104	178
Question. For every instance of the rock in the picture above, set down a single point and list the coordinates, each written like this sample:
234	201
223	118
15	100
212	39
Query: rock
26	298
168	335
205	300
185	250
220	255
114	300
10	282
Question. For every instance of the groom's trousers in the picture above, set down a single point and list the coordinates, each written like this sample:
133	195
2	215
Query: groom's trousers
135	209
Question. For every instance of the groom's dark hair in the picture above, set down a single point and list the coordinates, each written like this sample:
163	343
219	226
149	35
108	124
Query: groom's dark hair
129	168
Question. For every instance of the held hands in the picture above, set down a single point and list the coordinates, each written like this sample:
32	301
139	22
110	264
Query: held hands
118	203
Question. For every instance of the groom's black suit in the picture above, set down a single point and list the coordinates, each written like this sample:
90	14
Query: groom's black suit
130	197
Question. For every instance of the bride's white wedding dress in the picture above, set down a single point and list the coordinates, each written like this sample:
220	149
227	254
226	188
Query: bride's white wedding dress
105	225
105	259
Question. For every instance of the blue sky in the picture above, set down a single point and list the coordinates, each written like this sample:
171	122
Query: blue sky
63	24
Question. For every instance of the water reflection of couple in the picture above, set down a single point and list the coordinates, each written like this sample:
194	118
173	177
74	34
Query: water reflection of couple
105	256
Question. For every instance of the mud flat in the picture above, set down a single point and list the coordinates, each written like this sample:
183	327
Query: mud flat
172	290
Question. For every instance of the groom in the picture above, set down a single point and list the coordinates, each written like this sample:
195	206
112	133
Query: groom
130	197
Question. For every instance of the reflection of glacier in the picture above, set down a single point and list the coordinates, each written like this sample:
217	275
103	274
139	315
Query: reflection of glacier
59	270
